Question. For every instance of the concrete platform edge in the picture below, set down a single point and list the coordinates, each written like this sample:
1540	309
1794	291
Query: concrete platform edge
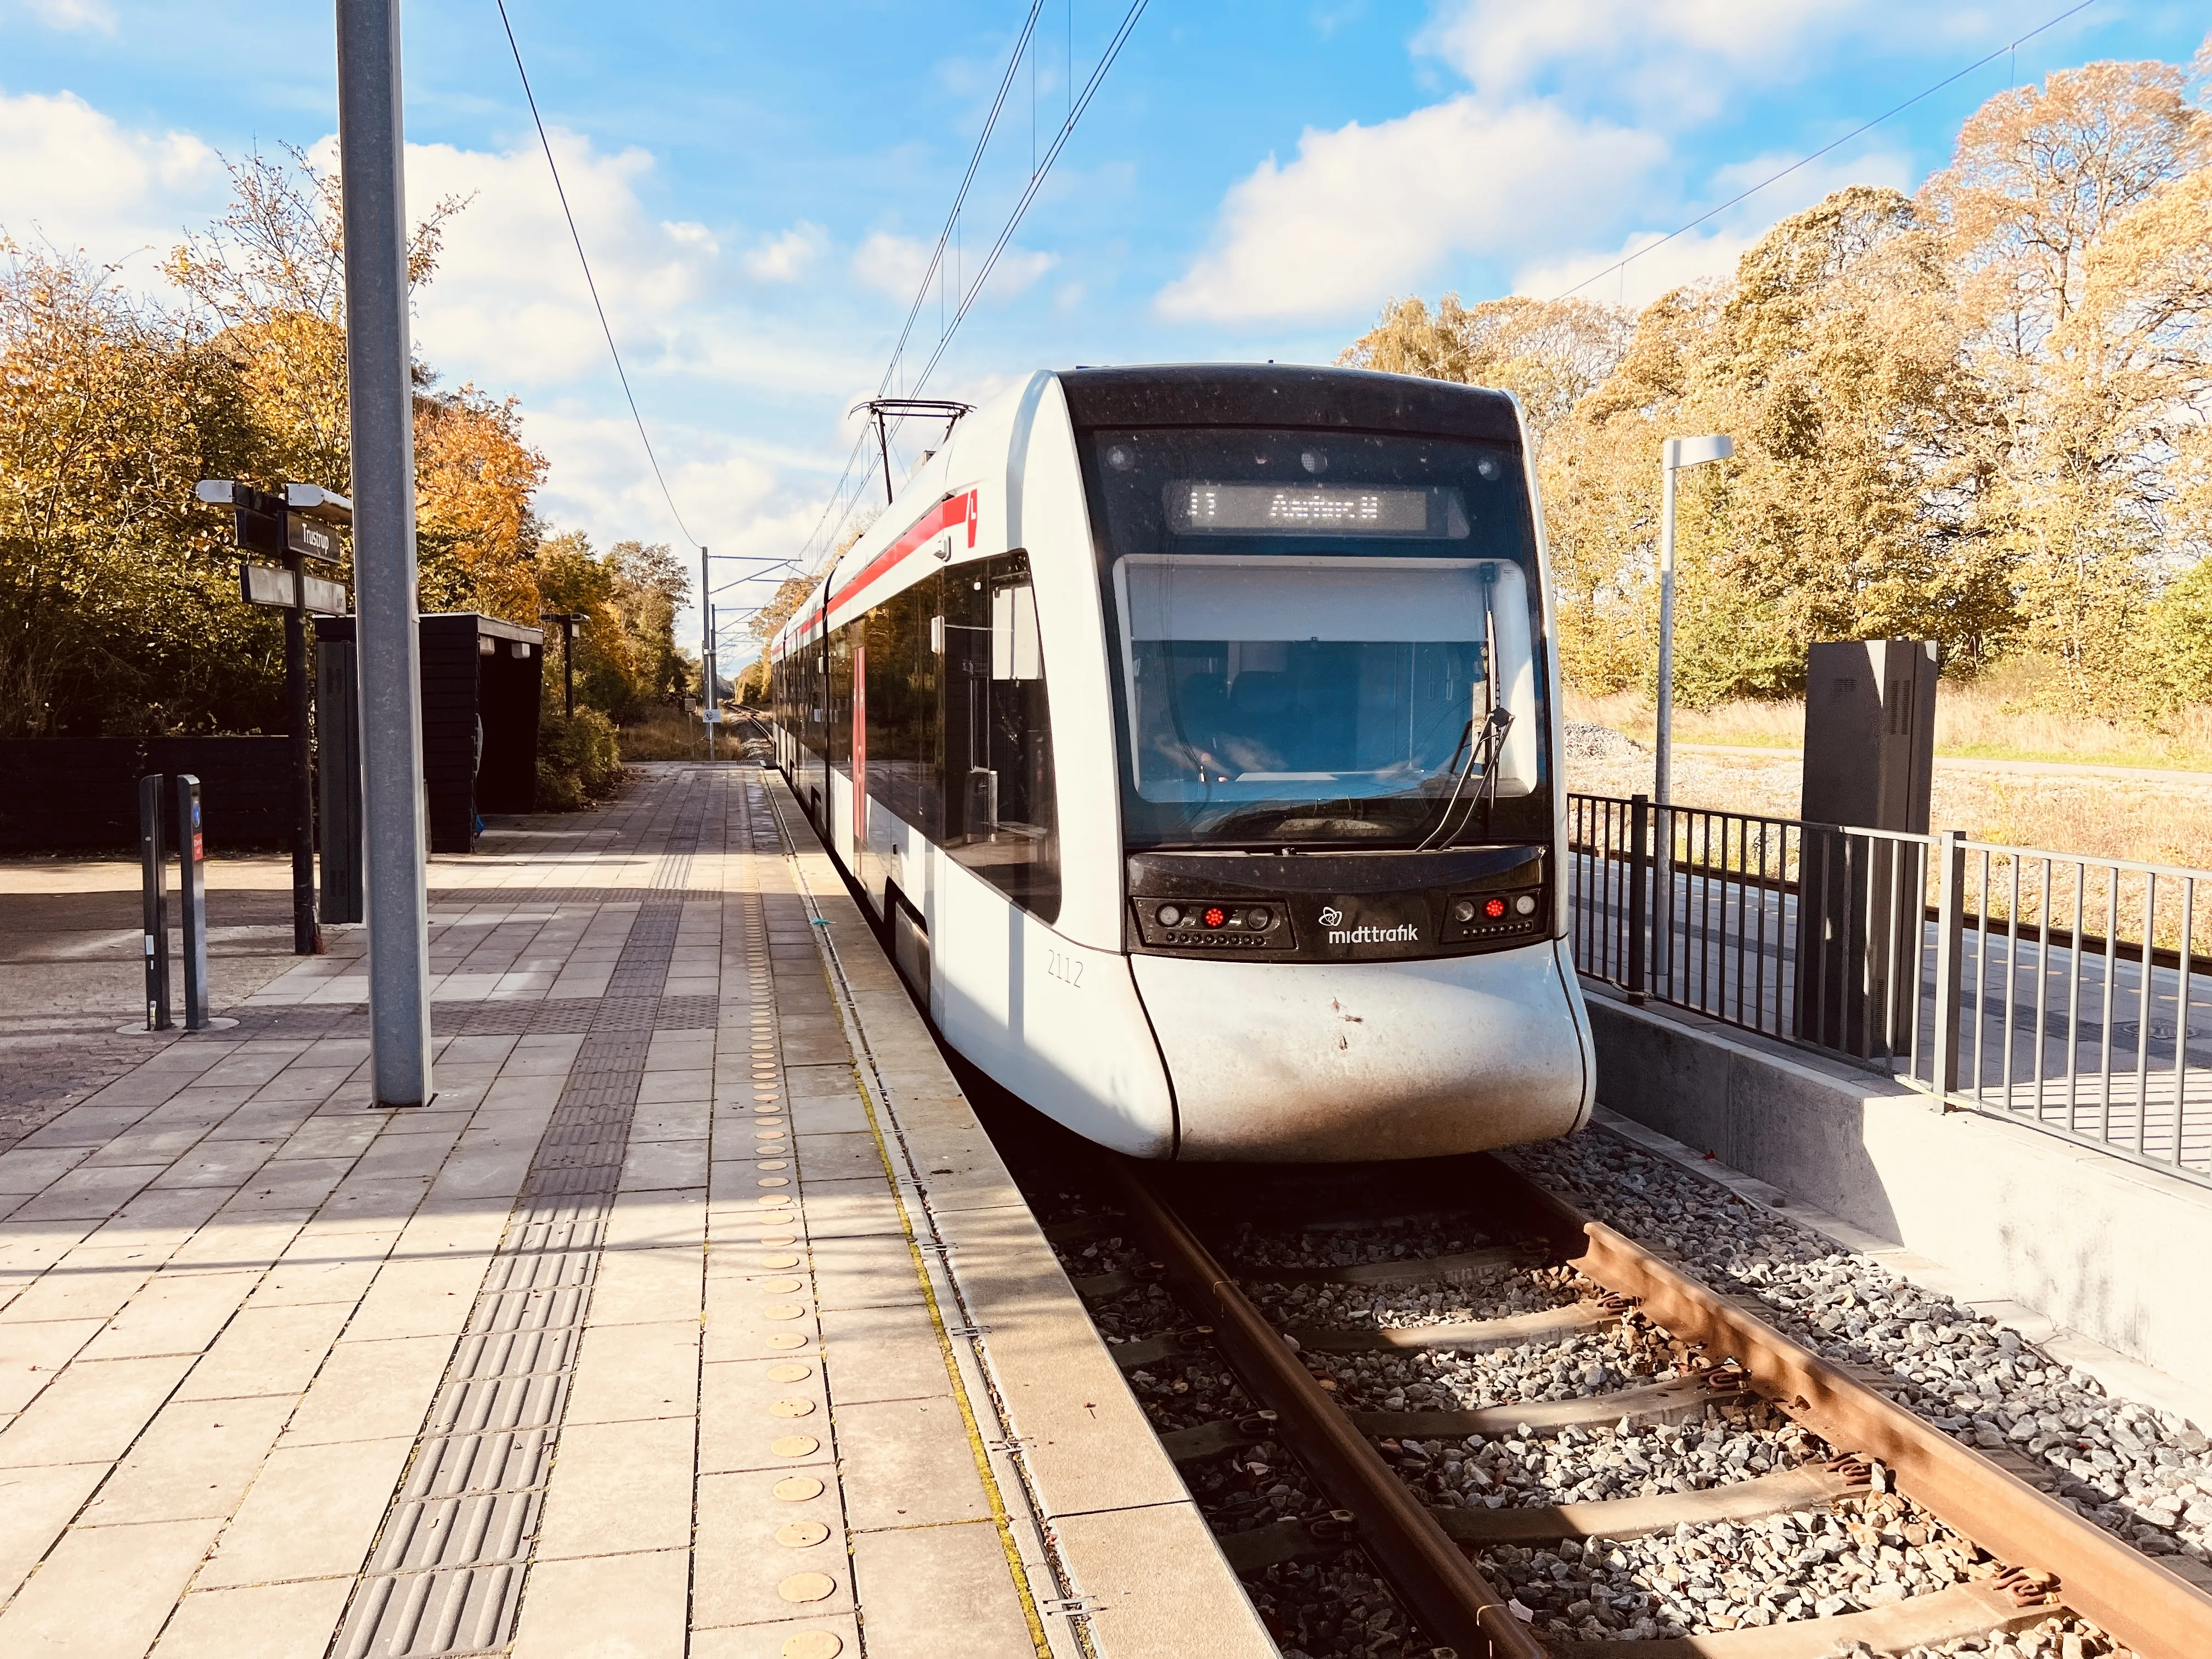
2090	1243
1094	1564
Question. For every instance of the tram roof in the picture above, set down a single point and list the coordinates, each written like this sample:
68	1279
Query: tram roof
1286	395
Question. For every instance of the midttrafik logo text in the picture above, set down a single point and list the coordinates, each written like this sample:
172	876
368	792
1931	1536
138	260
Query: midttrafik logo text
1331	917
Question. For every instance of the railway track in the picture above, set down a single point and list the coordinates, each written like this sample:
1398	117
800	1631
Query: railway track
1671	1476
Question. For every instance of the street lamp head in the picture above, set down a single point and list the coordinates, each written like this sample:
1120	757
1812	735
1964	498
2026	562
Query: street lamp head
1696	451
313	501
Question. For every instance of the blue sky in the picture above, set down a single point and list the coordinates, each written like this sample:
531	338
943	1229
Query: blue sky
757	185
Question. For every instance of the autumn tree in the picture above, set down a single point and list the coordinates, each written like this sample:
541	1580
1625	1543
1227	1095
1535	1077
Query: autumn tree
1550	353
118	603
627	659
119	606
1978	416
2075	214
767	622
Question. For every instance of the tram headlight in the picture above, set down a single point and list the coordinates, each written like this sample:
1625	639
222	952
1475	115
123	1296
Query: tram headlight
1525	905
1259	918
1167	915
1462	910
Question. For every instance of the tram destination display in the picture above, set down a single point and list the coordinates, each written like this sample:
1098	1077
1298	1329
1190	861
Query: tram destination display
1198	508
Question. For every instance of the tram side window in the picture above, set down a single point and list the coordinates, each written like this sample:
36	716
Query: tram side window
839	700
903	683
807	687
1001	816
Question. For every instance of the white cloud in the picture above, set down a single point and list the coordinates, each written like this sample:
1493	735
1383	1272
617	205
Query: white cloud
75	14
1675	63
1017	269
784	256
892	265
1504	45
509	290
1712	249
74	177
1367	211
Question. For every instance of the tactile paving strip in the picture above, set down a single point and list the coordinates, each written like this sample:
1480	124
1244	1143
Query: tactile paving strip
445	1578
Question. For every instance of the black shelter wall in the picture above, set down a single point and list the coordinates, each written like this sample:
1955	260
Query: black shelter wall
449	730
80	794
471	671
510	690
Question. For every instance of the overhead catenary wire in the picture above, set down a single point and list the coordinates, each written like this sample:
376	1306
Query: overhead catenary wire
582	258
2011	46
933	268
1079	103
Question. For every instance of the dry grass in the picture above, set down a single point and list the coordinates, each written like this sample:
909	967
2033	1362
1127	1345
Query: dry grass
665	734
1992	719
2154	821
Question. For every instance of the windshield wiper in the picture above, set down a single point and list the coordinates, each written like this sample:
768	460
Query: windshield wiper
1482	752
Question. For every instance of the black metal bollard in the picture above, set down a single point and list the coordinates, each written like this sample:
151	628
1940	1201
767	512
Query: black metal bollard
1639	868
153	865
191	899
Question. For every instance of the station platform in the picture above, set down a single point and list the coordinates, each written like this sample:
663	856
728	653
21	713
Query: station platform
696	1316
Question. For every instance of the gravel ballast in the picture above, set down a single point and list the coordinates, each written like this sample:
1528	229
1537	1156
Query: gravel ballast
2140	1473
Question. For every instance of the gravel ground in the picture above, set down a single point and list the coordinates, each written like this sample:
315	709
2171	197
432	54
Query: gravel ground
1335	1244
1724	1576
1586	1465
1491	1294
1444	1379
1586	742
1333	1609
2143	1474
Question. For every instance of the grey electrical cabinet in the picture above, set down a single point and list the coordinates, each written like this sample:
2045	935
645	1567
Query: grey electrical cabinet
1869	759
1870	734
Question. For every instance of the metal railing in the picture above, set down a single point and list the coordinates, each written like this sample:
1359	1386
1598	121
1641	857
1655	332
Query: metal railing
2070	992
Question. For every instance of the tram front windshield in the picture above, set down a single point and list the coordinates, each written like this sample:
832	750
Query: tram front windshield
1323	638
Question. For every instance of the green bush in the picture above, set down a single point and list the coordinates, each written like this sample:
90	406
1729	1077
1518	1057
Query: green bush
579	761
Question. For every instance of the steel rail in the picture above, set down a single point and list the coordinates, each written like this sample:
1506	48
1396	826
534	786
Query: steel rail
2128	1594
1442	1589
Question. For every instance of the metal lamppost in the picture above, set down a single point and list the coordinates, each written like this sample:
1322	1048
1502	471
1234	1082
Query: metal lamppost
1675	455
707	705
380	402
569	621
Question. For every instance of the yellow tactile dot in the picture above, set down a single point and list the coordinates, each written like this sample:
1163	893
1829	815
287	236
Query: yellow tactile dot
785	1340
790	1408
773	1200
780	1262
807	1587
778	1286
813	1644
783	1310
789	1373
800	1534
773	1180
795	1445
773	1164
798	1488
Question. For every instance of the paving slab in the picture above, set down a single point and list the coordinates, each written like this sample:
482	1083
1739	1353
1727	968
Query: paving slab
634	1343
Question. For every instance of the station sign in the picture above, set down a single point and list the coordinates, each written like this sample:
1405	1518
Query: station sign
310	539
262	584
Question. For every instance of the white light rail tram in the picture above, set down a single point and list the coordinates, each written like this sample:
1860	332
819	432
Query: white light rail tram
1192	733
